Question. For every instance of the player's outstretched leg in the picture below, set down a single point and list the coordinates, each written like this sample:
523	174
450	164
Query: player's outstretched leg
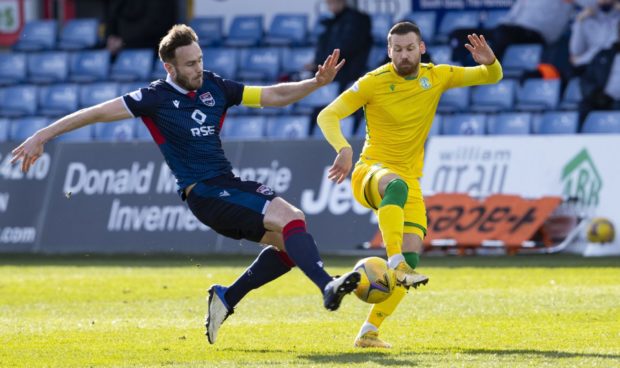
303	251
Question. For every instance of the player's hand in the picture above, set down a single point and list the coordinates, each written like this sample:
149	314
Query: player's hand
342	165
480	49
328	70
29	152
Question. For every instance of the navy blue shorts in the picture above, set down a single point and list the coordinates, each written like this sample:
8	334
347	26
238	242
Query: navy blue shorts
231	207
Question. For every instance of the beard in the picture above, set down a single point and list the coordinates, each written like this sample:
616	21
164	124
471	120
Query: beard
187	83
406	68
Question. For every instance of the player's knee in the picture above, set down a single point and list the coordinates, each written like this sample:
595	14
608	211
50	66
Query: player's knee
396	193
296	214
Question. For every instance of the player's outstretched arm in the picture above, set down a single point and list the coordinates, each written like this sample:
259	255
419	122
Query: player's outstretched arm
32	148
286	93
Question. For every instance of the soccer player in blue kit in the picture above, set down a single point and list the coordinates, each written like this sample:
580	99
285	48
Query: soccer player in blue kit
184	114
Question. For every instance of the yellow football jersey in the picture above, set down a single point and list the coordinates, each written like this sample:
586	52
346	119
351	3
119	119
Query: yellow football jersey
399	111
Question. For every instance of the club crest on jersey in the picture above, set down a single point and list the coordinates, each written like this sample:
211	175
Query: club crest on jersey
265	190
425	83
207	99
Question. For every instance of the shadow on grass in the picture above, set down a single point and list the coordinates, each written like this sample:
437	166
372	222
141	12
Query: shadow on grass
243	260
522	352
379	357
401	358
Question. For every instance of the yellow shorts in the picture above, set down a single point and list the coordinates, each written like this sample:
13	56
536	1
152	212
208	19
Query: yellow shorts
365	186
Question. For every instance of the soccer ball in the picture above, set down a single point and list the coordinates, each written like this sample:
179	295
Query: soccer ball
600	230
377	281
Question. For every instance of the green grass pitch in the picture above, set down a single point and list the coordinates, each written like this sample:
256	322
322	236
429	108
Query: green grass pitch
521	311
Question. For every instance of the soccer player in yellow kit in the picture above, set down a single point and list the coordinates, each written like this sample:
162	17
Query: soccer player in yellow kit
399	99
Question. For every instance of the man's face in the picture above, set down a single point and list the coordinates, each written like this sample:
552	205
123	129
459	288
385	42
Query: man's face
405	52
335	6
186	68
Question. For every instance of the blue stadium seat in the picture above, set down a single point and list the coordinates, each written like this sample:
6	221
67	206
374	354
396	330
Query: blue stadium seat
572	95
287	30
79	34
346	126
538	94
436	127
268	111
376	57
23	128
19	100
602	122
210	30
159	72
4	129
464	124
294	59
454	100
142	133
360	132
96	93
288	127
510	123
559	122
494	97
426	20
453	20
381	24
124	88
244	127
518	59
318	29
245	31
222	61
132	65
83	134
37	35
259	64
118	131
492	18
89	66
319	98
12	68
58	99
48	66
440	54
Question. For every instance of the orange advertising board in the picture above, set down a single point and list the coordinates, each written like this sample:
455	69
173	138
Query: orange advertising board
506	218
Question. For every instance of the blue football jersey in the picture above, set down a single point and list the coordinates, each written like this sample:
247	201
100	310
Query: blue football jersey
186	129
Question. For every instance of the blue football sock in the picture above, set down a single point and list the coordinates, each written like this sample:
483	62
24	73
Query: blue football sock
302	249
269	265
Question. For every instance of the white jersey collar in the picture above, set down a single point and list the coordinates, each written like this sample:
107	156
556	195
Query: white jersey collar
176	86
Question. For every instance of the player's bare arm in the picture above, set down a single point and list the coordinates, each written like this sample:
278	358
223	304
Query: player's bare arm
286	93
32	148
480	49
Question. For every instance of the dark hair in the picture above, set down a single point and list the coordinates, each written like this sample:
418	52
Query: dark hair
402	28
178	36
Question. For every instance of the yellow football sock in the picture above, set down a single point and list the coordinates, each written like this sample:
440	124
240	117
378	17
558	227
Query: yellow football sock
391	219
381	311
